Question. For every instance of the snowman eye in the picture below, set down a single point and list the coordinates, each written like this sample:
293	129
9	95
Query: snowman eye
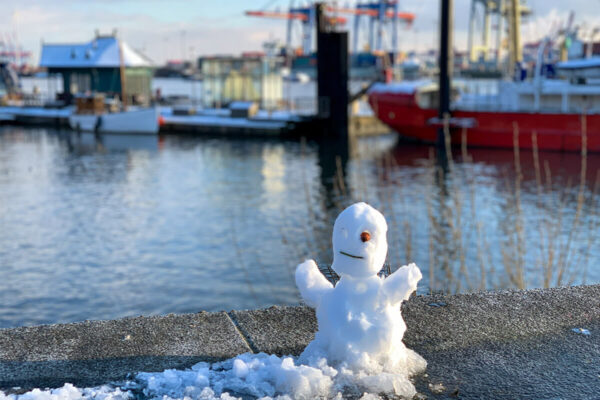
365	236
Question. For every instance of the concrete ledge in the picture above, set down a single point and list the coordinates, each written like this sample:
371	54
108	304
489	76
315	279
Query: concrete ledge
277	330
509	344
95	352
446	322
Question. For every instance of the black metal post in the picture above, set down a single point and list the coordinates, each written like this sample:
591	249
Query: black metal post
445	64
332	77
333	99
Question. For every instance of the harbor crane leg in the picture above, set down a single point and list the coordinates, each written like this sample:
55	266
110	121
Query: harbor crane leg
371	34
288	38
380	24
499	33
355	34
471	32
486	30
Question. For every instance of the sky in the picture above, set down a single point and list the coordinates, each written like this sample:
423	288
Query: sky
172	29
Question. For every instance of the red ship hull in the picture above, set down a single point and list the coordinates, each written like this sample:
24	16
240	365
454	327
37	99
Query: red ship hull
562	132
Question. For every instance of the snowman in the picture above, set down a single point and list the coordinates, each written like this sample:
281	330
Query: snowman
360	325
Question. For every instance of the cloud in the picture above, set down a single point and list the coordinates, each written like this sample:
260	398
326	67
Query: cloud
160	40
215	28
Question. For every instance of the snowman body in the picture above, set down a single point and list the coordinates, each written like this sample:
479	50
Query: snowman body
360	324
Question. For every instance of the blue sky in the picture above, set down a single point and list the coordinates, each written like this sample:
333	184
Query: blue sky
169	29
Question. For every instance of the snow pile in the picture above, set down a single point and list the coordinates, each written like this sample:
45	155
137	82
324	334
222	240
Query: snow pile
260	376
70	392
404	87
268	376
357	351
256	375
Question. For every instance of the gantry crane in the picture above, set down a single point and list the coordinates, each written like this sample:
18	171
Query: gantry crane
306	16
382	16
383	19
510	11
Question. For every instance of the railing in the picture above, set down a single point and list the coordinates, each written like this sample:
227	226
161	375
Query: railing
478	95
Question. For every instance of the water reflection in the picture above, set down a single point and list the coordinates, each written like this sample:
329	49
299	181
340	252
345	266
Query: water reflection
90	142
104	227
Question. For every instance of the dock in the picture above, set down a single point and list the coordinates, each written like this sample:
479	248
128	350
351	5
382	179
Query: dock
40	116
187	120
221	121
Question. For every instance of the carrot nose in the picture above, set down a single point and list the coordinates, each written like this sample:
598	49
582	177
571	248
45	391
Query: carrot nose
365	236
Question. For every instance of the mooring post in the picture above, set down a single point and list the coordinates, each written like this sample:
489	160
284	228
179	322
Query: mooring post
445	62
332	77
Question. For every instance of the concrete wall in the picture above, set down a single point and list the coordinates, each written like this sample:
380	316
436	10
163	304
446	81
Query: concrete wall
509	344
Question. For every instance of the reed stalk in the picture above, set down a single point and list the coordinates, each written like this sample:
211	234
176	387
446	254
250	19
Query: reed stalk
564	259
535	249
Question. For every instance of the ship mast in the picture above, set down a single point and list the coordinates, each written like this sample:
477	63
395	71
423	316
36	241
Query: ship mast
122	72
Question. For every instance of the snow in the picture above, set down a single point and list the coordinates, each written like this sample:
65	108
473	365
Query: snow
277	115
591	62
100	52
403	87
241	105
581	331
37	112
357	351
208	120
70	392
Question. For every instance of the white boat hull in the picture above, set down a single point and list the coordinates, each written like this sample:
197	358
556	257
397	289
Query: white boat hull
142	121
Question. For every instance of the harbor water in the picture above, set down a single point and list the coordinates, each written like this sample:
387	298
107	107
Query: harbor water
102	227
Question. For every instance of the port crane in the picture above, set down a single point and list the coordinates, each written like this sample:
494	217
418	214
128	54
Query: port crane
306	16
501	11
383	18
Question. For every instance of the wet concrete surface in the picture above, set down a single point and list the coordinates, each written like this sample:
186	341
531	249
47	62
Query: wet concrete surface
552	366
96	352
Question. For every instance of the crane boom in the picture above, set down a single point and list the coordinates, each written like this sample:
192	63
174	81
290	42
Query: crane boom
292	15
406	16
275	14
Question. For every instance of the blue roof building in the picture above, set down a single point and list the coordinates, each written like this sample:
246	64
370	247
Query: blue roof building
95	67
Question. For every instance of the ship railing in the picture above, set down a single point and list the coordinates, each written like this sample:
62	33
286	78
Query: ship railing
477	95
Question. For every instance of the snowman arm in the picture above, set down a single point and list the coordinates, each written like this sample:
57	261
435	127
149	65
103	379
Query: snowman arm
311	283
399	285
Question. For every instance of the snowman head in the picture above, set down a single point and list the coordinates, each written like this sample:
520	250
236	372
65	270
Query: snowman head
359	241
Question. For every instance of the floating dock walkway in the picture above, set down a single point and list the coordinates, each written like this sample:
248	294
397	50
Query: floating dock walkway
36	115
203	122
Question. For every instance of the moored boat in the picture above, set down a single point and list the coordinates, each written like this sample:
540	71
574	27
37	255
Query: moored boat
133	121
556	110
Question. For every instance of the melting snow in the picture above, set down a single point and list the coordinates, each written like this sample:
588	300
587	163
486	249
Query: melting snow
259	376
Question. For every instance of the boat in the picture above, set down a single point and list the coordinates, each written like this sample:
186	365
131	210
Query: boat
558	110
95	114
143	121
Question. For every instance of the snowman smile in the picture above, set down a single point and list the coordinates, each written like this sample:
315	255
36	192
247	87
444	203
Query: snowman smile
350	255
